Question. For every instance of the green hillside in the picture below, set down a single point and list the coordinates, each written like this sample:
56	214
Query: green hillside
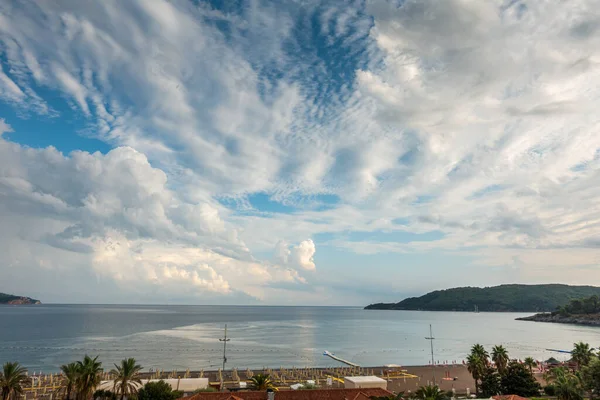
517	298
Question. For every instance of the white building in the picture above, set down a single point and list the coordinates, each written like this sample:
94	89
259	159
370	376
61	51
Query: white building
360	382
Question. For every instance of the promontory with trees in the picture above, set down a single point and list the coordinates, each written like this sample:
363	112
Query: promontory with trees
17	300
585	311
514	298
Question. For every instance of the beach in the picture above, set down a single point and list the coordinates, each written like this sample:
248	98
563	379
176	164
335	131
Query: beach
399	378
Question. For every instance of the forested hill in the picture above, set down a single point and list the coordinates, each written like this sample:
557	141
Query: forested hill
11	299
518	298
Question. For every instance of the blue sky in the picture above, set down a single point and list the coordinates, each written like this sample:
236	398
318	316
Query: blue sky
278	152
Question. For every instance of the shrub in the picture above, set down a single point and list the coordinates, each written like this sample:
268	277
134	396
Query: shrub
550	390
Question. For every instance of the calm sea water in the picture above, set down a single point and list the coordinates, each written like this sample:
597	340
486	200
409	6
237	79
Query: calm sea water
44	337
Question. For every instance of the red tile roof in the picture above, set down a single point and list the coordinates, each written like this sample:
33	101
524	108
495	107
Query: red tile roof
509	397
314	394
362	396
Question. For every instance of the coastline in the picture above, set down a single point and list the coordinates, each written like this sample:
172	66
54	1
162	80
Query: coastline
450	311
582	320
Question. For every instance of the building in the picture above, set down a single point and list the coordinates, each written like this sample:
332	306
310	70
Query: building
313	394
363	382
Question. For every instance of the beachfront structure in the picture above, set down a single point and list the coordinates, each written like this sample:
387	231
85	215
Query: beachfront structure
315	394
186	385
363	382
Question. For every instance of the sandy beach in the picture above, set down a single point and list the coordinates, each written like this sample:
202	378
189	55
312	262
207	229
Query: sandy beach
399	378
403	378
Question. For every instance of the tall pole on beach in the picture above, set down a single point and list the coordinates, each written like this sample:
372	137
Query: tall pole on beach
431	338
224	340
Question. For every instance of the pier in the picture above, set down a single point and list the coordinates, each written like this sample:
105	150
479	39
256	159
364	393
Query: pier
329	354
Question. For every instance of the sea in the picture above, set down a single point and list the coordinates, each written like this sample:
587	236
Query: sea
43	337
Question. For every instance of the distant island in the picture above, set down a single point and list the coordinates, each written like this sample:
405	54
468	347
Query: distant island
584	311
17	300
509	298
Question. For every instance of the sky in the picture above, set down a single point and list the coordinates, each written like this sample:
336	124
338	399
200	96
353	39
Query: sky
296	152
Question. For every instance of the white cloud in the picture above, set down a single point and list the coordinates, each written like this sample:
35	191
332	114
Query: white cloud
10	90
72	87
475	119
300	256
4	127
115	214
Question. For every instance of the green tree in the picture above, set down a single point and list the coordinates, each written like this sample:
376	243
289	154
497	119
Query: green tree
500	358
530	363
70	374
590	304
562	310
517	379
481	352
89	377
127	377
550	390
582	354
490	383
11	378
262	382
575	307
476	367
567	386
160	390
590	377
103	394
430	393
309	386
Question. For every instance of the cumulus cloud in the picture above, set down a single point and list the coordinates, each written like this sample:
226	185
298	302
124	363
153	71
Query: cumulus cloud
300	256
116	214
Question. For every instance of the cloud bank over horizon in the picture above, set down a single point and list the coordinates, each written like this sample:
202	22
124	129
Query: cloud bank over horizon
316	153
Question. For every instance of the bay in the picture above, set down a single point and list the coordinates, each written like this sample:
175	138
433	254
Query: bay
43	337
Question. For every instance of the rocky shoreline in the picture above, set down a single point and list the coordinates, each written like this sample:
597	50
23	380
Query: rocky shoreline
580	319
12	300
23	301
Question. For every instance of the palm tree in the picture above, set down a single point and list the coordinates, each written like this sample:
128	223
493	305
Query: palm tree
262	382
103	394
480	351
530	363
11	378
567	385
89	377
127	377
70	375
582	354
500	358
430	393
476	367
